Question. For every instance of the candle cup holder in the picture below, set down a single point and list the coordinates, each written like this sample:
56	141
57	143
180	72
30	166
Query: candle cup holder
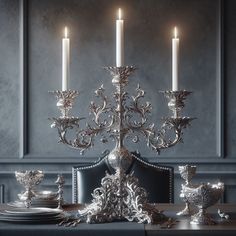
187	172
120	197
121	74
65	101
176	100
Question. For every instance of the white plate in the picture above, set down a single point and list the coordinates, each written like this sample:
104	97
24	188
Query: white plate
32	211
30	220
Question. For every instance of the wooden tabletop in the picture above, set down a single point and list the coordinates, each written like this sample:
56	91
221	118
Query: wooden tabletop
181	225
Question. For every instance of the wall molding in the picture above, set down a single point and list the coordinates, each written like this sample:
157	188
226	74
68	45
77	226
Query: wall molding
69	173
90	160
2	193
23	144
220	83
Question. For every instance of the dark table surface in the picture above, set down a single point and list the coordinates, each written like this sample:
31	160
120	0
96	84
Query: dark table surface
182	226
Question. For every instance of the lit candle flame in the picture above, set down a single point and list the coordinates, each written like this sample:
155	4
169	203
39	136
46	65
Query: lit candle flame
175	32
119	14
66	32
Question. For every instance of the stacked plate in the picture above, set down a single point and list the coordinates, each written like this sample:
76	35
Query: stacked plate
31	215
41	199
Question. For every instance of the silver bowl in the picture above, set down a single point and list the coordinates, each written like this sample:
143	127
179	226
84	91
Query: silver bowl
45	195
203	196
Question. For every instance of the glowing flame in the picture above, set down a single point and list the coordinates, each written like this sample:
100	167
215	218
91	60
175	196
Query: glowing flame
66	32
175	32
119	14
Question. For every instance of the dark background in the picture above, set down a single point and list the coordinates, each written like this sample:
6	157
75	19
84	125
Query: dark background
30	66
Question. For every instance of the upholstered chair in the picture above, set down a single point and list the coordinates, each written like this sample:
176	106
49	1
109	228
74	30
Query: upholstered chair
156	179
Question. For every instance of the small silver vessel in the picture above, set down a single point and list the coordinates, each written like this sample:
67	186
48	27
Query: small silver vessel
203	196
29	179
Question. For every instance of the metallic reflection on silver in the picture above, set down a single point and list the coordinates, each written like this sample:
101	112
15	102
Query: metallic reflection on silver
29	179
120	197
223	215
127	117
186	172
203	196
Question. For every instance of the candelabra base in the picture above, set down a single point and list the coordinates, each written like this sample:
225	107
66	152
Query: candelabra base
119	198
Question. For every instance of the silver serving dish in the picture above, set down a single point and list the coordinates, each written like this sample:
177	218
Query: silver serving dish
45	195
203	196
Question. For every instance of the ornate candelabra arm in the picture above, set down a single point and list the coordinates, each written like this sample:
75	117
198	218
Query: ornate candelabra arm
157	139
99	110
65	124
176	122
65	101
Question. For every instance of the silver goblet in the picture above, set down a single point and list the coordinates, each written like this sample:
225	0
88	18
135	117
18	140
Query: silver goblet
187	172
203	196
29	179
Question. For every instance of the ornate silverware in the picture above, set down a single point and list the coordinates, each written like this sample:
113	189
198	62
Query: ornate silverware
29	179
203	196
186	172
126	117
60	182
120	197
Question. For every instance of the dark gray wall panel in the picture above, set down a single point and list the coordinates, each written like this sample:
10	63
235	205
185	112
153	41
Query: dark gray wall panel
148	33
9	78
230	59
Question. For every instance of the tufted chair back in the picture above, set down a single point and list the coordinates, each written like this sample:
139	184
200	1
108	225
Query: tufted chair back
156	179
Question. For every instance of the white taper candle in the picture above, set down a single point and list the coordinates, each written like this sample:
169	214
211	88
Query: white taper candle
175	60
119	40
65	60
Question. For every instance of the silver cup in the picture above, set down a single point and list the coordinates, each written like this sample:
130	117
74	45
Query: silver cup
203	196
29	179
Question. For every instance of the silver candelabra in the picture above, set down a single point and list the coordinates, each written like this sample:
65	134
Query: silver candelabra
120	196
